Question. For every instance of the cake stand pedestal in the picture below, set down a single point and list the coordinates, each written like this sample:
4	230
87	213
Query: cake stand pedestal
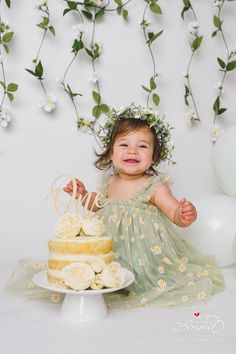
84	305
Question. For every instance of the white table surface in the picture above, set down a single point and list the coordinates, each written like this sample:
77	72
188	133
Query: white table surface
36	328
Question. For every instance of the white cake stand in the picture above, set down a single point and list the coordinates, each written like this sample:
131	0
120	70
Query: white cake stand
83	305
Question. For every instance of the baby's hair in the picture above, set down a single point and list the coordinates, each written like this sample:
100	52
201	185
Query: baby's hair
122	127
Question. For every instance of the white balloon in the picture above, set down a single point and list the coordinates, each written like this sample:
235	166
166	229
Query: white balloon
224	161
214	231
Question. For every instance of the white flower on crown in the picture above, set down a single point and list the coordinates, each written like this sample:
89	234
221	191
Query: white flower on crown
48	103
5	117
216	131
77	30
68	226
92	226
113	275
193	27
78	276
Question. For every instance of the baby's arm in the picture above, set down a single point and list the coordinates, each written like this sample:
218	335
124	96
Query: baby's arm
81	191
182	213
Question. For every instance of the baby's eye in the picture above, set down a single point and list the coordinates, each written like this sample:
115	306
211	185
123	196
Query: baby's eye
143	146
123	144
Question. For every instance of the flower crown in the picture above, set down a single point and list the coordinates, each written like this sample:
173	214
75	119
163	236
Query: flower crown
154	121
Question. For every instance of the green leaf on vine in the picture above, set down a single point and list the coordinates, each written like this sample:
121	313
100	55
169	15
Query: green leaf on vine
216	105
99	13
31	72
222	110
52	30
12	87
10	96
217	22
77	45
96	111
156	99
66	11
6	47
72	5
39	70
231	65
214	34
155	8
221	62
96	96
89	52
8	2
187	3
153	85
7	37
152	36
3	85
87	14
146	89
104	108
187	92
196	43
125	14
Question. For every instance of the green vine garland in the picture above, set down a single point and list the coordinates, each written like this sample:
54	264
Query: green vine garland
48	101
195	43
6	35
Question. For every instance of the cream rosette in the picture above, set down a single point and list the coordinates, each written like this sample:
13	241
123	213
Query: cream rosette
96	283
78	276
97	265
113	275
68	226
92	226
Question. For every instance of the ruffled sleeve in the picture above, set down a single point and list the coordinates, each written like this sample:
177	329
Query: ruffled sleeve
102	188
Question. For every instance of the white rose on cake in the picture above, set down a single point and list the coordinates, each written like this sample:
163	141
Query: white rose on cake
113	275
68	226
92	226
78	276
97	265
96	283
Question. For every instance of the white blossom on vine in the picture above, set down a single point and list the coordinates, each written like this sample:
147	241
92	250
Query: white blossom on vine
190	117
216	131
193	27
77	30
5	117
48	103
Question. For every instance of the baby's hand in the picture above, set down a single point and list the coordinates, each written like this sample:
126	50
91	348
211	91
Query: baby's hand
80	188
187	212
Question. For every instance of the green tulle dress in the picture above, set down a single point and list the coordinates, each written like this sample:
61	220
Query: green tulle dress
168	271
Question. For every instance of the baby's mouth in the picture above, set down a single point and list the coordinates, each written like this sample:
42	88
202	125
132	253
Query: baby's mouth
131	160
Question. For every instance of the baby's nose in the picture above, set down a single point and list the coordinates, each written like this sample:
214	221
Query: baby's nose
132	150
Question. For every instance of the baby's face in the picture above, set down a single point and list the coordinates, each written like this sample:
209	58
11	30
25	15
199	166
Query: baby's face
133	152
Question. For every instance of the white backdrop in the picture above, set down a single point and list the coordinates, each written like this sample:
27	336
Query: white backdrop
38	146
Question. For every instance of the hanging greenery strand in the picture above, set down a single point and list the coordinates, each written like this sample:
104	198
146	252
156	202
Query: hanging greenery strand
48	102
225	65
150	37
195	42
8	89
